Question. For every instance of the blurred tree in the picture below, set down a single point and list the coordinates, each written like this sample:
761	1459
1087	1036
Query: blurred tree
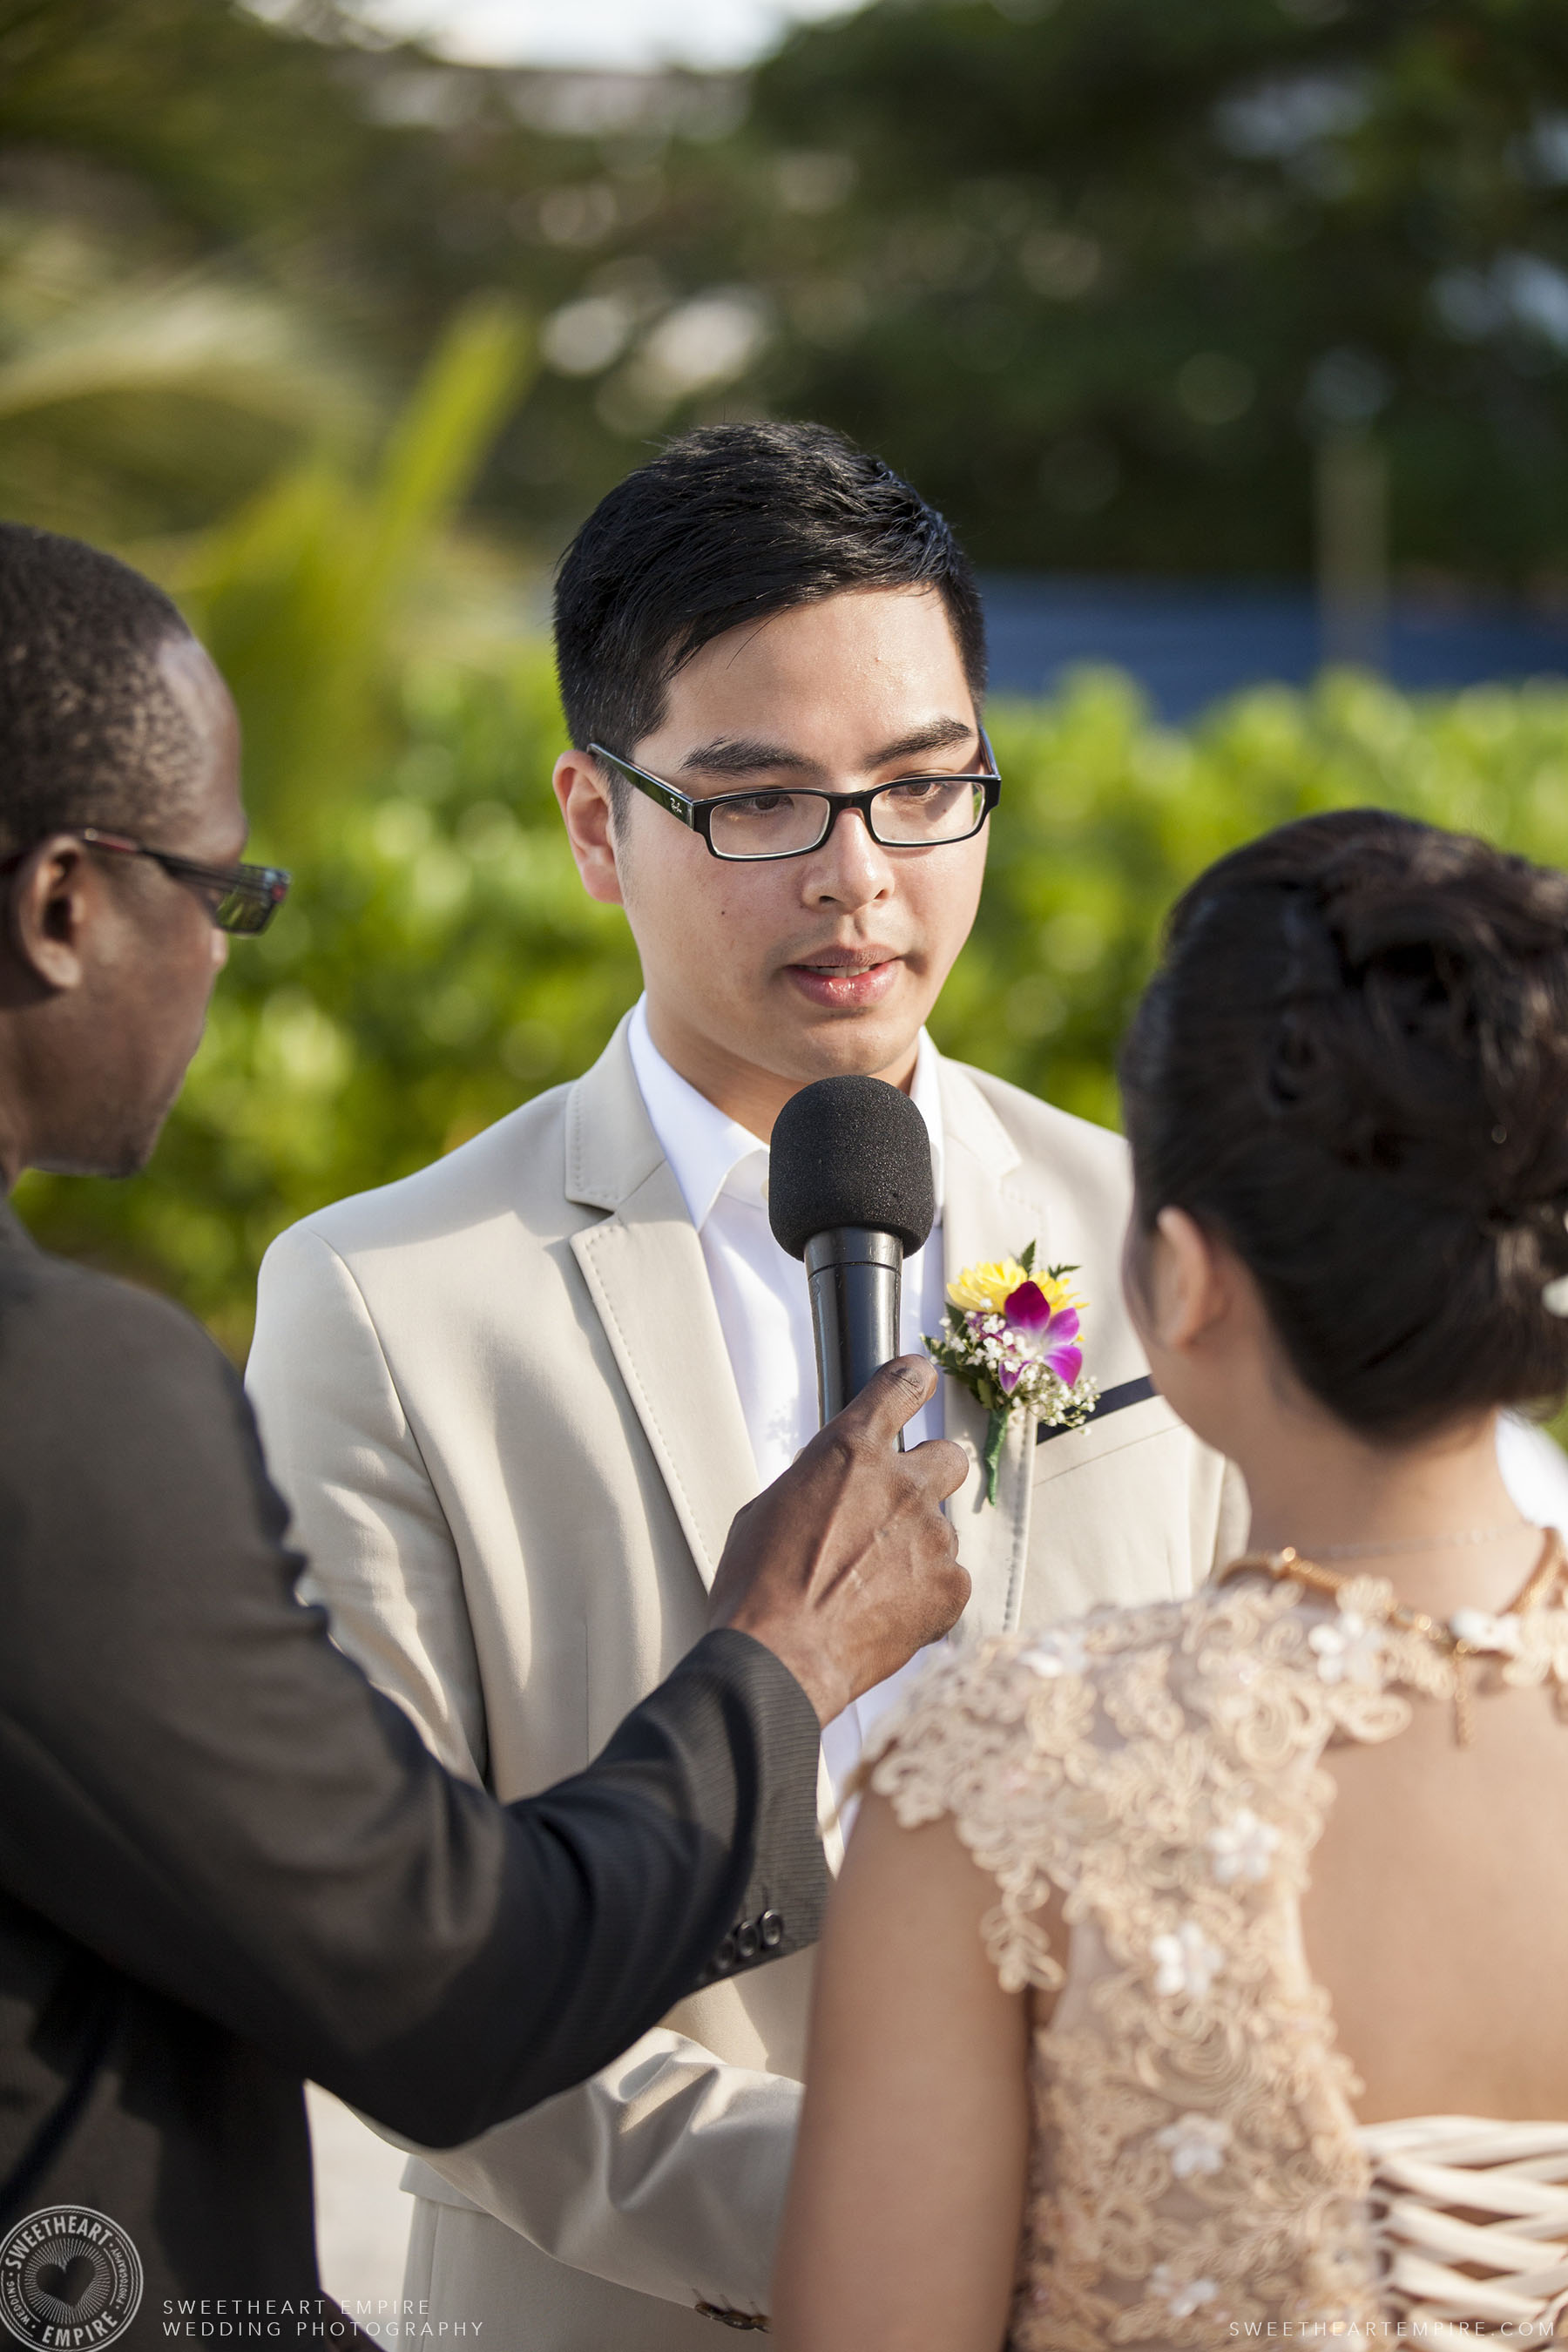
304	597
1097	273
144	407
192	115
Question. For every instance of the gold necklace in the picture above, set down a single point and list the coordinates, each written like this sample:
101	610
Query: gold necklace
1545	1582
1414	1543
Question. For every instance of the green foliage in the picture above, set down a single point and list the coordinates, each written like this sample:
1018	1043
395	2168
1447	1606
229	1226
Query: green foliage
237	132
300	597
1105	817
139	398
439	962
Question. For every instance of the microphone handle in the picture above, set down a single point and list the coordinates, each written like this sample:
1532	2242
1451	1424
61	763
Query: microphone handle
855	1276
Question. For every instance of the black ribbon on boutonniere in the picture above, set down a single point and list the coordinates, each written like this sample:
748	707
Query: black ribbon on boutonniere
1109	1401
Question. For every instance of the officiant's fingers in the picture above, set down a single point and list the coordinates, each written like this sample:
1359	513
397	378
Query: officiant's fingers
891	1397
946	1463
893	1394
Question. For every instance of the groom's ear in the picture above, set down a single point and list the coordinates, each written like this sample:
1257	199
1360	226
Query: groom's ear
586	807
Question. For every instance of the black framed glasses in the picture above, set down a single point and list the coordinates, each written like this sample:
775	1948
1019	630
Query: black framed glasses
912	812
240	899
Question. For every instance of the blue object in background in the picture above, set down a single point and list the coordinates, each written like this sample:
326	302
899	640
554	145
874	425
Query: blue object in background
1189	643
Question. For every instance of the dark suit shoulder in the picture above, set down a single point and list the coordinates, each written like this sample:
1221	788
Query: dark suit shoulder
59	1294
85	1355
121	1421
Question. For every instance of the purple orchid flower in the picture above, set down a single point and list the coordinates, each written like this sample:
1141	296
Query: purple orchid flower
1053	1333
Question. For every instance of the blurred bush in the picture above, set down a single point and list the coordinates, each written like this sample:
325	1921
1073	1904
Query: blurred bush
1106	816
439	963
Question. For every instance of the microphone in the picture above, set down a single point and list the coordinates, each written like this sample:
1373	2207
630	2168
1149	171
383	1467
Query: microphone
849	1191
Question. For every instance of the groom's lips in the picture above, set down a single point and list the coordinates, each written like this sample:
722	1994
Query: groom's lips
843	980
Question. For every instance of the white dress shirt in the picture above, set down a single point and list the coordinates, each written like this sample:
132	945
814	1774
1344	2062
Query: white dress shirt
764	1309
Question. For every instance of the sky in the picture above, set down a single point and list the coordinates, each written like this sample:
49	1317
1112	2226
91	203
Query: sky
628	34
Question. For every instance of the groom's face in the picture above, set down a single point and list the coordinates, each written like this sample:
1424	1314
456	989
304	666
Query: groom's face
762	977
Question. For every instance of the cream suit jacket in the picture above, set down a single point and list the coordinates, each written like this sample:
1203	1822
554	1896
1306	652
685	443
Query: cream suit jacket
497	1399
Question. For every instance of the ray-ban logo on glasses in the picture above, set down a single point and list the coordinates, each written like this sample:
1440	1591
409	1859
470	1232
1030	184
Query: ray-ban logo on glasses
71	2279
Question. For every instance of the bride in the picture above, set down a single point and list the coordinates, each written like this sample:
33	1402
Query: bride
1182	1954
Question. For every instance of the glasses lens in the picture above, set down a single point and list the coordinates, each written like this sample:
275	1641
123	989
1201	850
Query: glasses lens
244	909
927	808
769	824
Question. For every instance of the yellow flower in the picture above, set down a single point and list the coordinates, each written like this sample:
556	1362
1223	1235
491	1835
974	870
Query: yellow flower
985	1290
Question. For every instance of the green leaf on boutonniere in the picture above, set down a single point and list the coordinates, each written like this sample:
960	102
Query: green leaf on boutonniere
995	1437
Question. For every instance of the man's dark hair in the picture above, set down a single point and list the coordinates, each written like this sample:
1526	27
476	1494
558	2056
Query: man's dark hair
89	731
733	523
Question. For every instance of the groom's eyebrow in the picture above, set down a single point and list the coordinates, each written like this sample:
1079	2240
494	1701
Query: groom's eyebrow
937	735
746	755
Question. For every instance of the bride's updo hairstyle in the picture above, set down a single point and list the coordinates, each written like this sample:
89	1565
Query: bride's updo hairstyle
1353	1066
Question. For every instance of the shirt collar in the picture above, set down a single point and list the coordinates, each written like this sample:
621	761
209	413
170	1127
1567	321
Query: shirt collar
705	1149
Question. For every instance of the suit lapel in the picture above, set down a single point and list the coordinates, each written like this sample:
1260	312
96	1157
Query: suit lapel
995	1203
649	1282
985	1214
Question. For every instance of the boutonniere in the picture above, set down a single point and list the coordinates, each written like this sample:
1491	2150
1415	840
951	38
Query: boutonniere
1014	1339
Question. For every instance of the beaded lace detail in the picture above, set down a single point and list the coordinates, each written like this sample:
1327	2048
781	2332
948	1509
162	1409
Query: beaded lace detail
1197	2171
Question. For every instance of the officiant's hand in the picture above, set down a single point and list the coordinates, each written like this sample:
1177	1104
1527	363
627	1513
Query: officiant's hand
845	1566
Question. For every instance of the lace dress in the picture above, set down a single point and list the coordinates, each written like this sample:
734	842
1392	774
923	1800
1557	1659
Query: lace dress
1199	2177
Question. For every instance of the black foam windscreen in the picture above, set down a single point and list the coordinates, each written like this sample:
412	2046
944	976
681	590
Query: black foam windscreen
849	1151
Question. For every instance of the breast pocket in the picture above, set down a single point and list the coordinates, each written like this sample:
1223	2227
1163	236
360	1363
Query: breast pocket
1121	1511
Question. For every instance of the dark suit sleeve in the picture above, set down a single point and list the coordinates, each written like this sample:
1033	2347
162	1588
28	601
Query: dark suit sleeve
198	1785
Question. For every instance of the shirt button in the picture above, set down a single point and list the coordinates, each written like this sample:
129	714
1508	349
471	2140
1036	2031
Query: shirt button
748	1942
772	1929
724	1959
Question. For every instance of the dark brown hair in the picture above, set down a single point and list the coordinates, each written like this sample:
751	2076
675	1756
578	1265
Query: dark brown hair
733	523
1353	1065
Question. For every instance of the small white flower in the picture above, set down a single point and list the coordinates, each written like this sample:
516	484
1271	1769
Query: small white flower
1243	1847
1186	1961
1181	2296
1195	2143
1056	1654
1349	1651
1479	1631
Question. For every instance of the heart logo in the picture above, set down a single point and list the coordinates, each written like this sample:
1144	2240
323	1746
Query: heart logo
67	2281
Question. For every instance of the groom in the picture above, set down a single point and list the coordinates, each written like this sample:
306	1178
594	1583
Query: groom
516	1399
